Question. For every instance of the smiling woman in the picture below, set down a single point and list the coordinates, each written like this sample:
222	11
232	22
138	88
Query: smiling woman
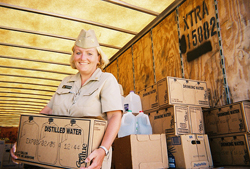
90	92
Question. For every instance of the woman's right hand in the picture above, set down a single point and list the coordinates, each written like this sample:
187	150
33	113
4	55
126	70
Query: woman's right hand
12	153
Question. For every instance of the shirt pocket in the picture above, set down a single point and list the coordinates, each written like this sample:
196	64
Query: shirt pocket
88	98
90	92
63	96
88	104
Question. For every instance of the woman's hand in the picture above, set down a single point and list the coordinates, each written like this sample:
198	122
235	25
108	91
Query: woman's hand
12	153
46	110
96	157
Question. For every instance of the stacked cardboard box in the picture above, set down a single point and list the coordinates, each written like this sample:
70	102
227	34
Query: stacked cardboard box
173	90
171	95
174	106
178	119
140	152
7	162
149	99
228	128
189	151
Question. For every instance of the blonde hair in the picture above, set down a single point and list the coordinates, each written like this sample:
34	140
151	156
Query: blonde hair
103	58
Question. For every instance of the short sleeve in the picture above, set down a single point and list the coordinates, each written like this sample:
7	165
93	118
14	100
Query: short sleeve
51	102
111	99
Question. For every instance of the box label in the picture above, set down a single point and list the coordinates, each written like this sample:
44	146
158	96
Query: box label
176	140
182	119
196	120
200	164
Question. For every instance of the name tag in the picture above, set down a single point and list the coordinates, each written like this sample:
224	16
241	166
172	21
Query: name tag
66	87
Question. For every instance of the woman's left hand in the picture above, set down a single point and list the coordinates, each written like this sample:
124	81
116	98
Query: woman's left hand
12	153
96	157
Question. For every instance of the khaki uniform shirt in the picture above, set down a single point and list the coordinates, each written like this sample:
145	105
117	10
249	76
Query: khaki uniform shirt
98	95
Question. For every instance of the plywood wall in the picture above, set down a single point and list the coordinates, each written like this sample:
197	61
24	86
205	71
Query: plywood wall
113	69
234	18
200	47
143	63
125	66
158	53
166	48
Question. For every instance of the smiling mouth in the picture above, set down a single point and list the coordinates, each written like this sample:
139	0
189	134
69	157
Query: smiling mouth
82	63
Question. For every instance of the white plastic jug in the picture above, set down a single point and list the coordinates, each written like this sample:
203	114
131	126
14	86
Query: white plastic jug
128	124
132	102
143	124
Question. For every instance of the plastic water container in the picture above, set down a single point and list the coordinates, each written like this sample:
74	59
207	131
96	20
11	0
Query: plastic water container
128	124
171	160
143	124
132	102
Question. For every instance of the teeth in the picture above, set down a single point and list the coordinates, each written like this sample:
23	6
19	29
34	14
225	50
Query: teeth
81	63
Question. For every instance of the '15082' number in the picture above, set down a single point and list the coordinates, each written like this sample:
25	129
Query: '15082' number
202	32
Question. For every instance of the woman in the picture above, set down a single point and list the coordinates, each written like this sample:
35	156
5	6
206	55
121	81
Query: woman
89	93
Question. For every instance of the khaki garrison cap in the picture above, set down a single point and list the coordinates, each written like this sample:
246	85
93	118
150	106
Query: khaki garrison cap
87	39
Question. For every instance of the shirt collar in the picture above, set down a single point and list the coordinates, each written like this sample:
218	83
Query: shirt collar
95	76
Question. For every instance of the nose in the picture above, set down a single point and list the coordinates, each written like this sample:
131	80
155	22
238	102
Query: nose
83	56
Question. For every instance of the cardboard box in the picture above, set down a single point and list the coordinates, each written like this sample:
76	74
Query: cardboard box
189	151
7	160
149	98
230	149
140	152
196	120
173	90
210	122
2	143
231	118
55	141
173	120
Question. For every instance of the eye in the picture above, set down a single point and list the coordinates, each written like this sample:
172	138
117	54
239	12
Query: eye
78	53
90	54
